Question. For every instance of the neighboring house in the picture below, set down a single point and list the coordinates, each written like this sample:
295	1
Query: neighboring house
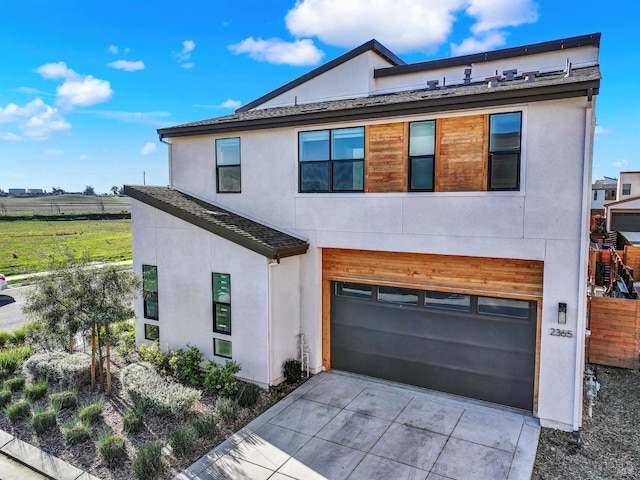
603	191
623	215
410	230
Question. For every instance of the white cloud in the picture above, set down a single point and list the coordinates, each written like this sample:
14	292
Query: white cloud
621	163
230	103
84	157
77	90
494	14
148	148
53	151
401	25
275	50
10	136
188	65
602	130
187	47
113	49
145	118
36	119
483	44
127	65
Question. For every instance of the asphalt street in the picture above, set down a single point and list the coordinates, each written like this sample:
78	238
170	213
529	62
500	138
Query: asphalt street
11	303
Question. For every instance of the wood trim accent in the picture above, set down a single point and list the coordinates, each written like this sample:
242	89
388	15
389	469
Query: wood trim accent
386	154
485	155
326	324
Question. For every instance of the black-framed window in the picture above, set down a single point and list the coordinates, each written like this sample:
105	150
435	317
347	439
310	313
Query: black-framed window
422	150
151	332
447	301
504	307
626	189
331	160
222	348
150	291
404	296
228	165
221	303
504	151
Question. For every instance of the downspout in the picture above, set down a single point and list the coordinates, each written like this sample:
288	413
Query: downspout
271	264
170	150
584	248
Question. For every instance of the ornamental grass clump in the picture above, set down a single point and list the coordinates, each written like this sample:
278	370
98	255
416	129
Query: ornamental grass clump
12	358
113	448
148	462
42	420
227	409
90	414
149	392
61	400
36	391
184	441
5	398
132	422
206	425
14	384
18	411
76	432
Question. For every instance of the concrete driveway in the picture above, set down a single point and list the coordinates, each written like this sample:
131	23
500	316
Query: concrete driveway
342	426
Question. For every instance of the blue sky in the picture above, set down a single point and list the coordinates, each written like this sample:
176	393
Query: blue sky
85	85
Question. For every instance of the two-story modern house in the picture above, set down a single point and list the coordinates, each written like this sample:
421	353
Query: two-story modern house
423	223
623	215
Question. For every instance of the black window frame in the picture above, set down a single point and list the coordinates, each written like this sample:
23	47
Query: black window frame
493	153
229	167
147	336
217	303
331	162
150	295
418	157
215	351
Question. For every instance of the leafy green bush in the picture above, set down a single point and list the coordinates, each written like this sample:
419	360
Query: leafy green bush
76	432
185	365
5	398
148	391
113	448
184	441
14	384
248	394
152	354
126	343
222	378
12	358
90	414
227	409
18	410
206	425
36	391
5	338
292	370
148	462
43	420
62	400
132	421
60	367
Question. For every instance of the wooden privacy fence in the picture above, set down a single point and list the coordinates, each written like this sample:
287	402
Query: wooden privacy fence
615	332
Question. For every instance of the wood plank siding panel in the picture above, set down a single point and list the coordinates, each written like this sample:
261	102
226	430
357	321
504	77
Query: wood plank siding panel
632	259
475	275
386	157
615	332
462	153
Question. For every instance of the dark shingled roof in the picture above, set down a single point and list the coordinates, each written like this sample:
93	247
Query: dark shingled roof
248	233
582	82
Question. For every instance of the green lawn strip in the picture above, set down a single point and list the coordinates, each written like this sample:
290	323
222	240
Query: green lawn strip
26	246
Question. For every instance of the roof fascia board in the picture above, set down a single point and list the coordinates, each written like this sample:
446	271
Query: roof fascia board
372	45
497	98
592	39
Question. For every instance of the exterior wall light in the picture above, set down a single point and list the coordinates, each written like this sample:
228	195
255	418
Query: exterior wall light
562	313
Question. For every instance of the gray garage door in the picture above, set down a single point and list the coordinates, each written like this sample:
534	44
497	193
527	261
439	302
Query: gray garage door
625	222
478	347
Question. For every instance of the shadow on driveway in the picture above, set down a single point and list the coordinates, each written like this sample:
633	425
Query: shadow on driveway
6	300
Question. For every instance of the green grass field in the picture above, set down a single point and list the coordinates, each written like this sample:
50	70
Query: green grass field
26	246
63	204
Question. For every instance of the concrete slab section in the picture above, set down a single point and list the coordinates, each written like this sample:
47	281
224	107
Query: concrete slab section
336	391
488	429
431	415
354	430
305	416
379	403
229	468
462	460
373	467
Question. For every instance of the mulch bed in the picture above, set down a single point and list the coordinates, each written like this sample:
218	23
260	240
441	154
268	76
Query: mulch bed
608	444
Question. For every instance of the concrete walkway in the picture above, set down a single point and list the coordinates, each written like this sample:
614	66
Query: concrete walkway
341	426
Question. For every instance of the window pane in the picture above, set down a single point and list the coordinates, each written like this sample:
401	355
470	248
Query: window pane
504	307
222	348
422	173
448	301
398	295
151	305
504	171
314	146
229	179
314	177
348	175
626	189
222	318
149	278
151	332
228	151
355	290
422	138
348	143
222	287
505	132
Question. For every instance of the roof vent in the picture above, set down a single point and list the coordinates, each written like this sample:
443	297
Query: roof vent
432	84
467	76
492	82
509	74
567	69
530	77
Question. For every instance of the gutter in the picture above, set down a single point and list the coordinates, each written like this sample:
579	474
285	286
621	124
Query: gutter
170	152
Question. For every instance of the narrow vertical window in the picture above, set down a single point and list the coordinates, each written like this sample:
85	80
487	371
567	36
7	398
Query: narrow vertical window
222	303
150	291
422	141
228	165
626	189
222	348
504	151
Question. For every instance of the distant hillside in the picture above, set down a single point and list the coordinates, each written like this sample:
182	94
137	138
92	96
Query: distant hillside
63	204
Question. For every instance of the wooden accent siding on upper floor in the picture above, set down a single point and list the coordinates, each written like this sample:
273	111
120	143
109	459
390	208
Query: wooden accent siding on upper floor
386	155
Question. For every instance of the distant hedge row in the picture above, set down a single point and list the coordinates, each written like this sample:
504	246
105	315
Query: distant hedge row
69	216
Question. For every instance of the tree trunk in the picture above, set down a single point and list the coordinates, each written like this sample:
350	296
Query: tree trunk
93	356
100	360
108	369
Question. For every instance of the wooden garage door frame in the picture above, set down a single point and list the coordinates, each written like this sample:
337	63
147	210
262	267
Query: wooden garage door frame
484	276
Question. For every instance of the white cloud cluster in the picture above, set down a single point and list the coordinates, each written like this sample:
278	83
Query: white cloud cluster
127	65
148	148
275	50
36	120
230	103
184	56
622	163
76	90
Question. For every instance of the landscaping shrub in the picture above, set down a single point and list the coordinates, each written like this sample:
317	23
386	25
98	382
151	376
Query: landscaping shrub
19	336
150	392
152	354
112	447
148	462
5	338
45	366
184	441
227	409
76	370
206	425
126	342
185	365
14	384
292	370
222	378
18	410
90	414
248	394
76	432
12	358
62	400
43	420
60	367
5	398
132	421
36	391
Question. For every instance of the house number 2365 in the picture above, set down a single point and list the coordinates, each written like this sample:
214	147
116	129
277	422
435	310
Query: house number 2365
556	332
